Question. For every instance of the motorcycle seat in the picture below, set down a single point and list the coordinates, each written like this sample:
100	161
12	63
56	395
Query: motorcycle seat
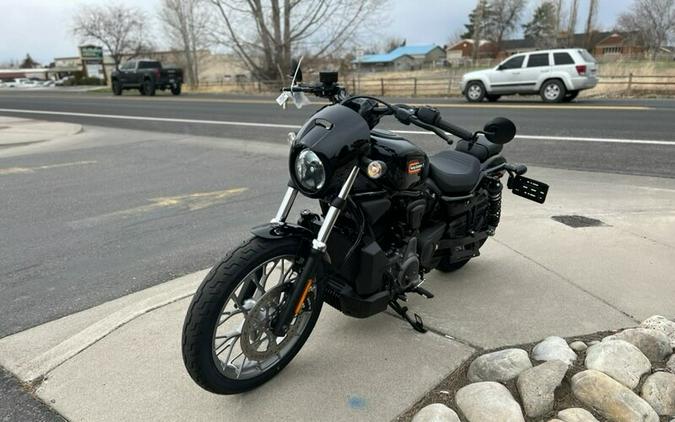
454	172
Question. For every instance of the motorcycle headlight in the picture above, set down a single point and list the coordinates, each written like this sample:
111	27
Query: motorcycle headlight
309	171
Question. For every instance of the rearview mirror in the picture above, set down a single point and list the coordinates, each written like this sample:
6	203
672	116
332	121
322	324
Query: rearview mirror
500	67
500	130
296	71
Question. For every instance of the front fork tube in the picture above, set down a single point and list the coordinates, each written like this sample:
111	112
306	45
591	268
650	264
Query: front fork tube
298	292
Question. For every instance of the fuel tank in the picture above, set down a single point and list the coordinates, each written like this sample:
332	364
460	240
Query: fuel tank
407	164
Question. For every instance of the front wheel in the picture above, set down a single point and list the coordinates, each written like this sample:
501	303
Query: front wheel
228	344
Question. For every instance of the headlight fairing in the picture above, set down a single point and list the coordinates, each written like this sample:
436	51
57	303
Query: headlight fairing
310	172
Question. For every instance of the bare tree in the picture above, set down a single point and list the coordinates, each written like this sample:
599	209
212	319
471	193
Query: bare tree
120	29
652	22
187	25
505	16
264	34
479	22
572	23
590	21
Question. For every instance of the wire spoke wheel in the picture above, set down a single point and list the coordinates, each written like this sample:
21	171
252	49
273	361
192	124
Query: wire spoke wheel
228	341
243	343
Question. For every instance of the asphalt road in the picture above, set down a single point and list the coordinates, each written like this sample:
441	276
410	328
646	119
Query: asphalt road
545	128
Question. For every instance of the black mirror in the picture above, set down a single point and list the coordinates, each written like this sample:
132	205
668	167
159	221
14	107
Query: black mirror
296	70
500	130
500	67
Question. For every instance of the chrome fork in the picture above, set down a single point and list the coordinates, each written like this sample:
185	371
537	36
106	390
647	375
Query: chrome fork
318	244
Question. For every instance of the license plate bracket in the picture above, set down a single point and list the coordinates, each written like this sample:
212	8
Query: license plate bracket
527	188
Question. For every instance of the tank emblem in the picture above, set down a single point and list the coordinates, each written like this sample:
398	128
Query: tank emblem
415	166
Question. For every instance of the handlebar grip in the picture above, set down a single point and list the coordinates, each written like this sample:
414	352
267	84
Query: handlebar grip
433	117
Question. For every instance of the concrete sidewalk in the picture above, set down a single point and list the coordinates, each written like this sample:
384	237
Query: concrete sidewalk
537	277
15	131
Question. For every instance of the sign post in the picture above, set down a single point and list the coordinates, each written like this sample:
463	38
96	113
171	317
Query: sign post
92	61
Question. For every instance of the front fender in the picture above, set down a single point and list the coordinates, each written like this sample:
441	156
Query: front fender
277	230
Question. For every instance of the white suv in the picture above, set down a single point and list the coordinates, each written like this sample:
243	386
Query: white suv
557	75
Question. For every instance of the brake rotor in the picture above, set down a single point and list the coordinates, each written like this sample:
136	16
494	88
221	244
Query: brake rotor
257	340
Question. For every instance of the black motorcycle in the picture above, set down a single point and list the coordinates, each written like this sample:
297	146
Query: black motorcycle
389	215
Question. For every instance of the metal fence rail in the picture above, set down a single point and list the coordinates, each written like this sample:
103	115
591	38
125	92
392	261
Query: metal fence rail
448	85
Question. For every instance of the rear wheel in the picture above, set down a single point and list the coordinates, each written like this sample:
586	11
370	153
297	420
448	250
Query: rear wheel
228	344
176	89
492	98
552	91
475	92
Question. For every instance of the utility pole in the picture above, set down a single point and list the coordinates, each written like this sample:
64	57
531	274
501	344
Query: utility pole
572	23
590	22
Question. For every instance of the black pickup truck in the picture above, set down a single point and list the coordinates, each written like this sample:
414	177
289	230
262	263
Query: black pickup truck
147	76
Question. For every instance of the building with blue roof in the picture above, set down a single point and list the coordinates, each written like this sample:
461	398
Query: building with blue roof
407	57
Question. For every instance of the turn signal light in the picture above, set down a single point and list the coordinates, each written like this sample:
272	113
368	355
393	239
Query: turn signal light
376	169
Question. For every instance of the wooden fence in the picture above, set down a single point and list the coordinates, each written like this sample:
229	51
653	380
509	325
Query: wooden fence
446	86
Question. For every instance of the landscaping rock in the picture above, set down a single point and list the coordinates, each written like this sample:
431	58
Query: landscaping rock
436	412
610	398
554	348
659	391
620	360
659	323
578	346
576	414
488	402
537	386
654	344
593	343
503	365
670	365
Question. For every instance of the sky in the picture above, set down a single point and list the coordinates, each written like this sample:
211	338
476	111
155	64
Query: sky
41	28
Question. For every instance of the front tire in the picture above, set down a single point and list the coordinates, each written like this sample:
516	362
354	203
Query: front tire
233	282
149	87
117	88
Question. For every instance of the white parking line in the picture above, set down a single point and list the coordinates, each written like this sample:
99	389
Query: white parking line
282	126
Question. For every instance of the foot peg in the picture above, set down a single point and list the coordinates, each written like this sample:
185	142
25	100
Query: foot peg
423	292
416	323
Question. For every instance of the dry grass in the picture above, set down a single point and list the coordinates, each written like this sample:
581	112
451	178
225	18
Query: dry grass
444	82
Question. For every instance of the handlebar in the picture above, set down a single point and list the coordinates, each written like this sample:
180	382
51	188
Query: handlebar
433	117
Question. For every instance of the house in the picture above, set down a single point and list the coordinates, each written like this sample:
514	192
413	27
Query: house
407	57
462	51
617	45
600	44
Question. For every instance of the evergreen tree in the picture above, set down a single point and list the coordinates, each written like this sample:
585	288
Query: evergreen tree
542	27
28	63
474	16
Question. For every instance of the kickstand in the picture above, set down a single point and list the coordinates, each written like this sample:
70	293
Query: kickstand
416	323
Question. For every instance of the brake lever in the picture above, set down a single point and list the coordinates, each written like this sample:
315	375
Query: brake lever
434	129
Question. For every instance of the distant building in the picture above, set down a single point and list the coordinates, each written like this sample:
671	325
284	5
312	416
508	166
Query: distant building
600	44
462	51
408	57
